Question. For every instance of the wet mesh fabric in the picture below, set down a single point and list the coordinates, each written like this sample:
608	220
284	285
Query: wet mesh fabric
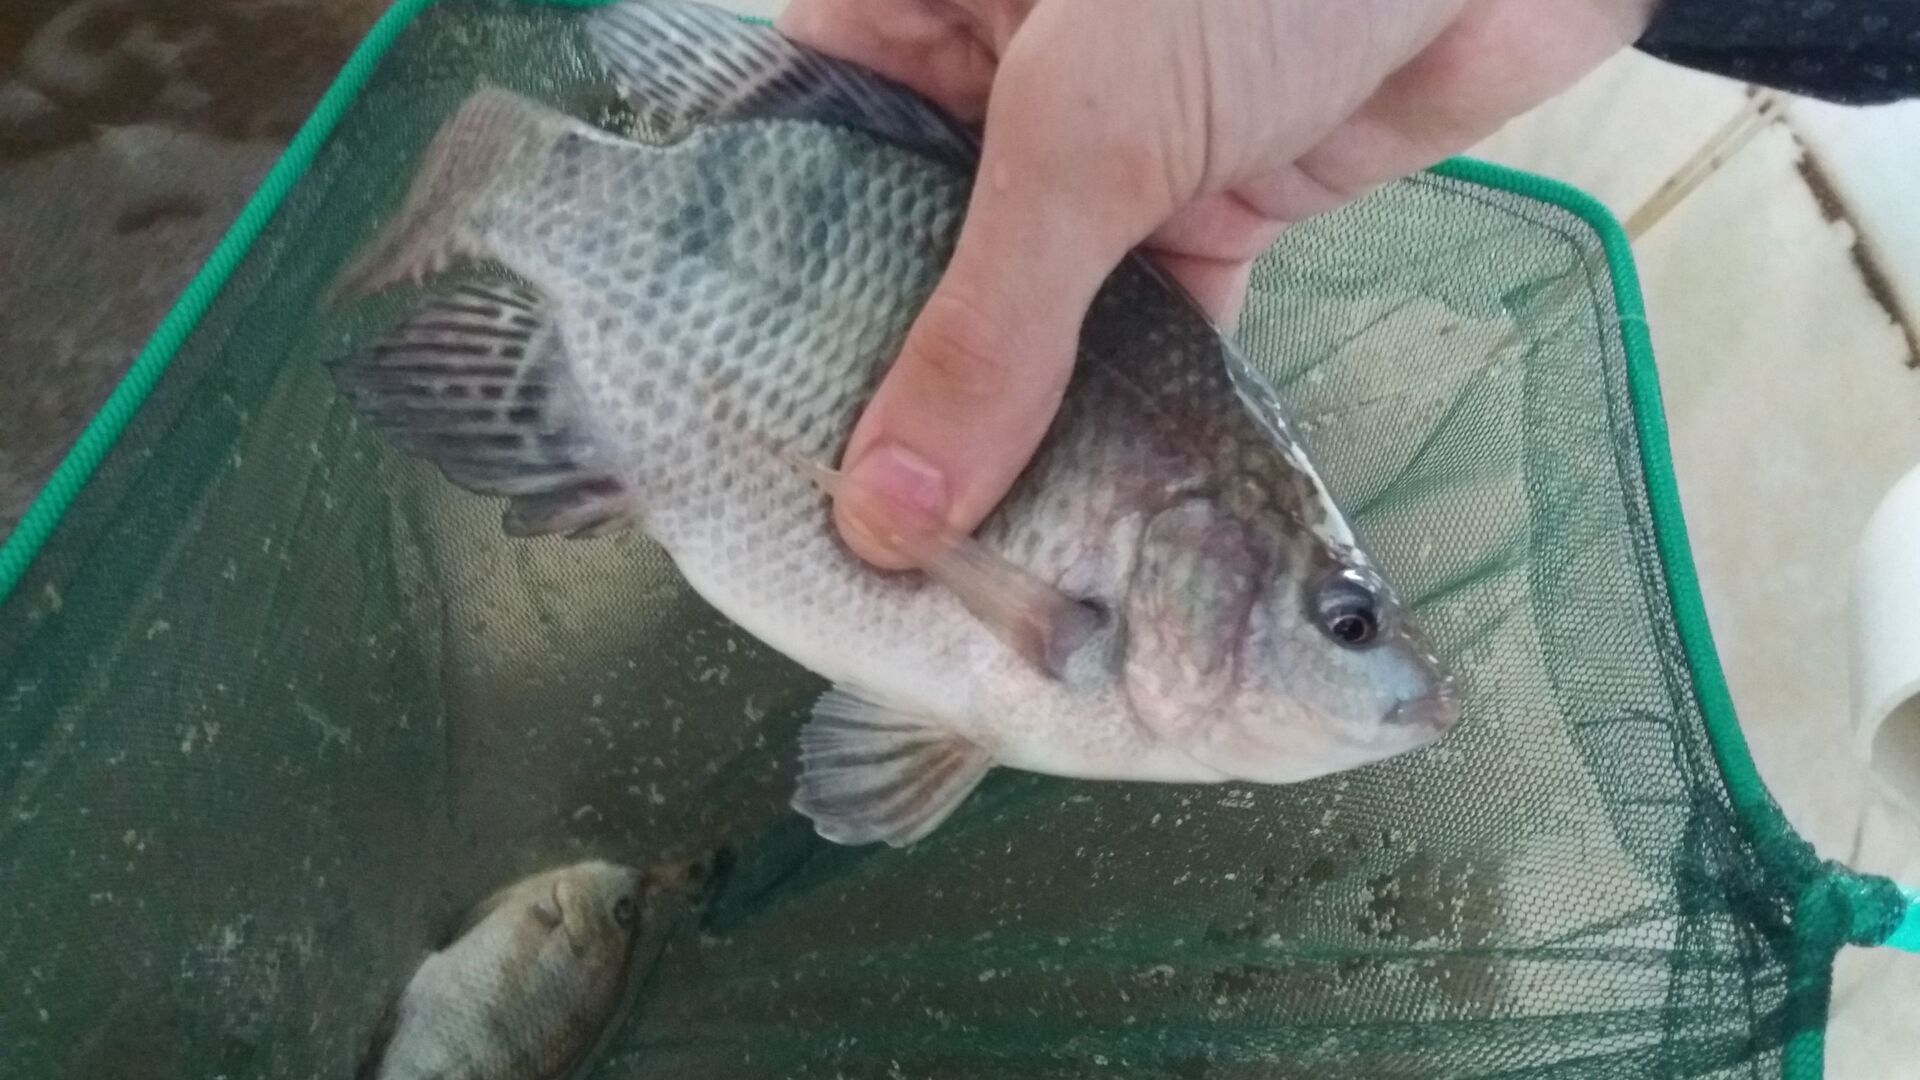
277	705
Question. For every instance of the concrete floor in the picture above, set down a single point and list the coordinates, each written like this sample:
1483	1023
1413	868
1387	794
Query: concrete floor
131	132
1782	289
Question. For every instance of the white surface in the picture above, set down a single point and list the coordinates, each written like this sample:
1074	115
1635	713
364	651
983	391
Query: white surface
1621	132
1886	643
1872	156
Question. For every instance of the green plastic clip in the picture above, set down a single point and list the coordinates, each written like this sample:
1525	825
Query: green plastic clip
1907	934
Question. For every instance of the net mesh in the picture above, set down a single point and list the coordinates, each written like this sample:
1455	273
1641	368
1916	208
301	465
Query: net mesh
277	705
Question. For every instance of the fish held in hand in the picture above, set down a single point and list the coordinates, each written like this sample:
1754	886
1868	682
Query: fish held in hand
1168	593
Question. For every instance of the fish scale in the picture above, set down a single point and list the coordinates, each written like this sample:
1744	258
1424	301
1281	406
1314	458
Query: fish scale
1162	595
765	264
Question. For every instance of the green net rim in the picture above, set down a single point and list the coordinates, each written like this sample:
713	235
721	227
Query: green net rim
1743	780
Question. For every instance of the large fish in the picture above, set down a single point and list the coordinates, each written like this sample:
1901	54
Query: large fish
1168	594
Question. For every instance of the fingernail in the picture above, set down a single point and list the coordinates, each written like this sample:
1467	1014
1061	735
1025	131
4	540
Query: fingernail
900	478
903	476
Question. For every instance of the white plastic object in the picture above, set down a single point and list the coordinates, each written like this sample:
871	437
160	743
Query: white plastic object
1885	643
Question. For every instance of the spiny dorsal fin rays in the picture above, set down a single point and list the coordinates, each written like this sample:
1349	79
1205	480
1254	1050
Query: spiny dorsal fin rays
682	63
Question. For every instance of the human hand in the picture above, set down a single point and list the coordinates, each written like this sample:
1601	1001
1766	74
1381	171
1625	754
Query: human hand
1193	129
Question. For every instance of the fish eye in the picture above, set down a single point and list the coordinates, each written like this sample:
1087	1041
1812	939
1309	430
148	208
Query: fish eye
1347	609
623	911
1353	628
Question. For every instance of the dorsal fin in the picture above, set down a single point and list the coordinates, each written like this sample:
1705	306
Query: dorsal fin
680	63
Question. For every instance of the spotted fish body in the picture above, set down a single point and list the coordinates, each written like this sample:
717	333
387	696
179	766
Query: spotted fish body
1162	596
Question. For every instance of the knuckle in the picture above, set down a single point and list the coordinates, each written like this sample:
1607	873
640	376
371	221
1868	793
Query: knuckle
1314	186
1141	172
959	354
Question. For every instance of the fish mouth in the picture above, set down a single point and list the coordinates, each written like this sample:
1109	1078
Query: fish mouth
1432	714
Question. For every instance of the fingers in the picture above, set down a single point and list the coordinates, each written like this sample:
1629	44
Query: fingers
1063	192
933	46
1444	100
1083	160
1219	286
1209	246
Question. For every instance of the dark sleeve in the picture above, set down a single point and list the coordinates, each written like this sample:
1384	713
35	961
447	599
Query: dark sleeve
1849	51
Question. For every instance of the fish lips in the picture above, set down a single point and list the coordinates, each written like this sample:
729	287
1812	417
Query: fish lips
1248	749
1436	712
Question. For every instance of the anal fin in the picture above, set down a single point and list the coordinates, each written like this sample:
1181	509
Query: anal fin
871	773
476	382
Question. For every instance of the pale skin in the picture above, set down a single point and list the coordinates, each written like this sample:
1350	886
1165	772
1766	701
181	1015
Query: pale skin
1194	130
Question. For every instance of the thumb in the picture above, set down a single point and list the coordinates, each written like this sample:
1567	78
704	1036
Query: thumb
981	372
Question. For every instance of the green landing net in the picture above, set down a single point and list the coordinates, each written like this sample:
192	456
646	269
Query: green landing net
276	705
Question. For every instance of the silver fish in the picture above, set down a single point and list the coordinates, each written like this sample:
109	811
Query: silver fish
525	990
1168	594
